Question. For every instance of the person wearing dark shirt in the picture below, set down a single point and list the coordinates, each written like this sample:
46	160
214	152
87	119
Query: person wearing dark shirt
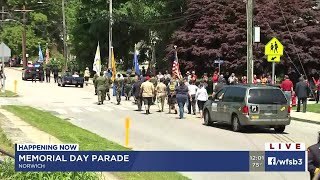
136	92
41	73
302	92
314	160
143	71
55	73
287	88
182	95
48	72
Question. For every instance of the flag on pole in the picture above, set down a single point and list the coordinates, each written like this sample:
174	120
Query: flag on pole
113	65
47	55
175	67
97	61
40	54
136	62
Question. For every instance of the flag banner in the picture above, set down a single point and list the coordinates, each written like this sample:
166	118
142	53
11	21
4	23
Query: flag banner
175	67
158	161
47	55
113	65
136	62
97	61
40	54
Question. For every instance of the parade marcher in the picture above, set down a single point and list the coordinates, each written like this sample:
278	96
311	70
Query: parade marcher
127	87
154	81
167	78
160	76
172	101
133	82
108	86
147	90
101	83
302	91
287	88
55	73
94	80
182	95
136	92
109	73
86	75
215	79
41	73
192	100
119	85
161	90
48	73
314	160
317	84
201	97
143	71
35	75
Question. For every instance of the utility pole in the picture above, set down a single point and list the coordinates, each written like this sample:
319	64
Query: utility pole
24	44
110	33
250	41
2	67
65	53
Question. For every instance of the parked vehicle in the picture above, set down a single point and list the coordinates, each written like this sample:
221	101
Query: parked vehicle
28	73
69	79
248	105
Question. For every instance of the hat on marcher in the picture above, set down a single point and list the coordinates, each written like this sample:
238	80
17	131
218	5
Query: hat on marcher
87	68
147	78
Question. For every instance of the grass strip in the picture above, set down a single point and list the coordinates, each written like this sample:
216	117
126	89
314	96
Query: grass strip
315	108
88	141
8	94
5	143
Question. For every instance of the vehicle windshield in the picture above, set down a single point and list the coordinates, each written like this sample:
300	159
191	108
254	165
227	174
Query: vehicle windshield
266	96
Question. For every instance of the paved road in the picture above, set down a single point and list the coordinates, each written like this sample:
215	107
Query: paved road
158	131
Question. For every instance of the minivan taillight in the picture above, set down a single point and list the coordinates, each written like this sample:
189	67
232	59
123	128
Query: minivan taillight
245	110
28	71
289	110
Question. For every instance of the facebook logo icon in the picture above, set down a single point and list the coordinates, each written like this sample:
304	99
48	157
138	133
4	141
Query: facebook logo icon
271	160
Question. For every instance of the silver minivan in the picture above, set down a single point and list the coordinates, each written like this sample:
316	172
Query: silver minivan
248	105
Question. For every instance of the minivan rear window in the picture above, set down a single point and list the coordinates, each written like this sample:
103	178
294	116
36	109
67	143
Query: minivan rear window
266	96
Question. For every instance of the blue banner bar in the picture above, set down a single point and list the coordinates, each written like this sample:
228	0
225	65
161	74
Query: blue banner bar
133	161
285	161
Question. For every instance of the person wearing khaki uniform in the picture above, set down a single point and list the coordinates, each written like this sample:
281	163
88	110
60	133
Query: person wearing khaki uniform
147	90
161	94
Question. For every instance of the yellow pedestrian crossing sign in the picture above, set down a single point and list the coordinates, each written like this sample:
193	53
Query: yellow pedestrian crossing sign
274	58
274	47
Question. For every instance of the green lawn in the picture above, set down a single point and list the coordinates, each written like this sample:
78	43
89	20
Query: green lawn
5	143
311	108
69	133
8	94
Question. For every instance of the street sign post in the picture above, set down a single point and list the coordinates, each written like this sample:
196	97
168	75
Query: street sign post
219	61
274	50
5	52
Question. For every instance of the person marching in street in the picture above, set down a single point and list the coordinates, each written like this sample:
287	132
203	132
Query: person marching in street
108	86
287	88
192	93
96	75
133	82
172	101
35	73
55	73
101	83
182	94
154	81
161	91
118	82
86	75
317	84
136	92
147	90
41	73
48	73
302	91
314	160
201	97
127	87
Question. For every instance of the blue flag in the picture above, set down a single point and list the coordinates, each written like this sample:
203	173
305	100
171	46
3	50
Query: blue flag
40	54
136	63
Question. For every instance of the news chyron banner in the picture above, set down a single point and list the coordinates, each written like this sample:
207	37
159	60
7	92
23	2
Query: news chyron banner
67	157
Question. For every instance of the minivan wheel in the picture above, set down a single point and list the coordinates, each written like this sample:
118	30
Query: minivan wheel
236	126
279	129
206	118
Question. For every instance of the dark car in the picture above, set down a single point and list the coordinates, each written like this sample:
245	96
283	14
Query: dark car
249	105
29	72
69	79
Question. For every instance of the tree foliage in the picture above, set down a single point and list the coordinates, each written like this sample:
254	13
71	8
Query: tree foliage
218	29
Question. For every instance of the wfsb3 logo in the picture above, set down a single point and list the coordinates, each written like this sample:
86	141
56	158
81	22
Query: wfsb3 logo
284	162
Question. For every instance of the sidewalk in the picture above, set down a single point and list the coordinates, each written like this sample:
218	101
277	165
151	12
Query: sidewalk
308	117
20	132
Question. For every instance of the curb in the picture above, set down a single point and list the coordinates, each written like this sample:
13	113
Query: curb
305	120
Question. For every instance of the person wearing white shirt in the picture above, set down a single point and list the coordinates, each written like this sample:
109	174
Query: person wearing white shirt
160	76
192	101
202	97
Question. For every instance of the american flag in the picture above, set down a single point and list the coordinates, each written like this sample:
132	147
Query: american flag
175	67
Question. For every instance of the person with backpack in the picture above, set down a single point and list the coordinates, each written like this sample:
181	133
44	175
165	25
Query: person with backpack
172	101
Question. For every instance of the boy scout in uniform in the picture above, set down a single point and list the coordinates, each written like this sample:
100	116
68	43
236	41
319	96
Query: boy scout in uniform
108	86
127	87
118	83
154	81
94	79
101	83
